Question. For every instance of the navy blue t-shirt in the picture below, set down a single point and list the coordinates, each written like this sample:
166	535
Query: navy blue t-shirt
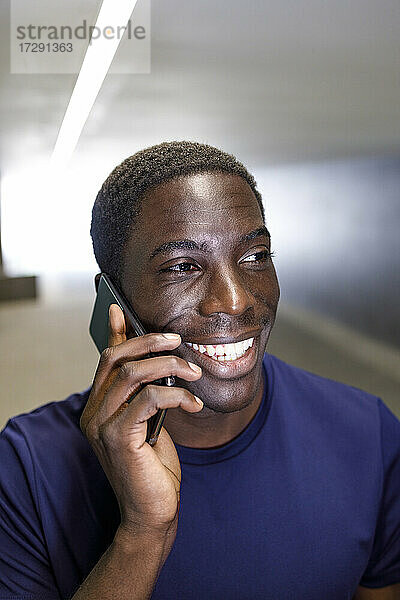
304	503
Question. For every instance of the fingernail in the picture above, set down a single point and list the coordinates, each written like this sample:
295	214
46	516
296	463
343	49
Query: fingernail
194	367
171	336
199	401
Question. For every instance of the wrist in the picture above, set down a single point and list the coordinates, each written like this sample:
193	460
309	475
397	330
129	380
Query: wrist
129	538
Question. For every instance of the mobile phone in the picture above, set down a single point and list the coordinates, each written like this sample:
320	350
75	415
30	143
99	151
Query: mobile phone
107	294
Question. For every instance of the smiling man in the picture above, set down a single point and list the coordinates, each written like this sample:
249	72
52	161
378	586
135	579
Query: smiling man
267	482
213	283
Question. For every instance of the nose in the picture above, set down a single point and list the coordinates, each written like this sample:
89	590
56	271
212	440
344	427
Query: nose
226	293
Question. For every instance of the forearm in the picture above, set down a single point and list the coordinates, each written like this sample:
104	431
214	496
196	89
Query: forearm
129	569
390	592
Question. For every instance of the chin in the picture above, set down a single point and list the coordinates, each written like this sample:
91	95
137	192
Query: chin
226	407
228	396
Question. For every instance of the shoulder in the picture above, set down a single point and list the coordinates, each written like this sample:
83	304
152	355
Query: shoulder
331	410
58	412
49	474
326	393
307	379
38	434
351	432
45	455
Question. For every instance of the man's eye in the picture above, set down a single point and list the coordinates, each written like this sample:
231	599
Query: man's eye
258	257
180	268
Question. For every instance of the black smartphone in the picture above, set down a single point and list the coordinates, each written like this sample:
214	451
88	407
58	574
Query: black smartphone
107	294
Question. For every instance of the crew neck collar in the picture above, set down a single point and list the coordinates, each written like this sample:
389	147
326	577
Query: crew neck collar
205	456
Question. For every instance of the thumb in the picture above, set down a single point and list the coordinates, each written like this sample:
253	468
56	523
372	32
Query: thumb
116	325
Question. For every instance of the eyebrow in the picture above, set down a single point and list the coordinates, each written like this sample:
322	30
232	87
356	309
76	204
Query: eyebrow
260	232
191	245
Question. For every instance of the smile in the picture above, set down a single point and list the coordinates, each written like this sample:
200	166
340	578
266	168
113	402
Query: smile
223	352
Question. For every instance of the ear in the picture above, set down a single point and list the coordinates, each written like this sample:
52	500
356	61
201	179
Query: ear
96	281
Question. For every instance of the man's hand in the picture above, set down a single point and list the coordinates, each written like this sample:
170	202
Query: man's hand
145	479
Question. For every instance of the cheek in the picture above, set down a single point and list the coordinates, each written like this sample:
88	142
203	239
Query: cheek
275	291
162	303
167	305
264	287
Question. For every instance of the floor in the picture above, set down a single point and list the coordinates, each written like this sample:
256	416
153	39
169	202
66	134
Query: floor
46	351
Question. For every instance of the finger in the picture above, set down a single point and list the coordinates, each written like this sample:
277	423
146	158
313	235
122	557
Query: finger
116	325
133	375
151	369
142	345
113	386
135	348
131	420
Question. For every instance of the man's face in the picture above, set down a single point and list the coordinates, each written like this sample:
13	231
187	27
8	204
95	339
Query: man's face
197	264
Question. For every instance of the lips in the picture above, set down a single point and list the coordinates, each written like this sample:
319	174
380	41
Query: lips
223	352
225	364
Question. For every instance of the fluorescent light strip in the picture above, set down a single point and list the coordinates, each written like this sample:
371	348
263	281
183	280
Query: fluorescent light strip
97	61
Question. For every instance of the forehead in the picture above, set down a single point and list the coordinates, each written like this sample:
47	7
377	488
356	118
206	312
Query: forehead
200	206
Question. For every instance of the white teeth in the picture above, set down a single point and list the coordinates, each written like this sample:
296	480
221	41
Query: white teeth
239	348
224	352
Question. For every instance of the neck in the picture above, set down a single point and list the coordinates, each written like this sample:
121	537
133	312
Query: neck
209	429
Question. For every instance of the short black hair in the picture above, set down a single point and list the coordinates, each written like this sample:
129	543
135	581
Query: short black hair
117	204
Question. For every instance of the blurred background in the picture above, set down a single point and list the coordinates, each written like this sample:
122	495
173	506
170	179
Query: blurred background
306	93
